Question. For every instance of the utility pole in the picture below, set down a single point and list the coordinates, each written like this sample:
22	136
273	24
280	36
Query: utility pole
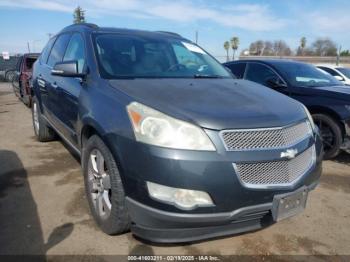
196	37
28	47
338	55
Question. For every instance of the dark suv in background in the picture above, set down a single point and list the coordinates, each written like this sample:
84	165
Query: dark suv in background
326	98
171	145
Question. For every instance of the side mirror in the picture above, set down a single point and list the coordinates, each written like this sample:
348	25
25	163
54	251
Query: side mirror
339	78
275	83
67	68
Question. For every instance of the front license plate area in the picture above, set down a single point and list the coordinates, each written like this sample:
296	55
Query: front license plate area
290	204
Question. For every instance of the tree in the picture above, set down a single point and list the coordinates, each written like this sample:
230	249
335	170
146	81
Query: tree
79	15
280	48
324	47
227	48
345	53
234	45
302	45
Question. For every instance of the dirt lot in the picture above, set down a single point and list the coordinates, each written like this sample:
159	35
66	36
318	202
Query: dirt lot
43	209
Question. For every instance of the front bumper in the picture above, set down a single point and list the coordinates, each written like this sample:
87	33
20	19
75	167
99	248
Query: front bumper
168	227
236	208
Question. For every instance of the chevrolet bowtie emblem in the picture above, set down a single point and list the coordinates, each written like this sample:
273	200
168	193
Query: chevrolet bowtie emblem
290	153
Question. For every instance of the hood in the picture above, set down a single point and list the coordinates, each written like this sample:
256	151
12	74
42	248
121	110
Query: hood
214	103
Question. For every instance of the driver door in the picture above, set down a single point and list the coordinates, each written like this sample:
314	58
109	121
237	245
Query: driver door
266	76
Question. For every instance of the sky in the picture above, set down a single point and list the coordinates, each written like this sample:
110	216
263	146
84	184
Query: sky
24	22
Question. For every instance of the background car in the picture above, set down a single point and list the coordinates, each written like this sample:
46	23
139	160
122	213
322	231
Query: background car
7	67
22	76
327	99
339	72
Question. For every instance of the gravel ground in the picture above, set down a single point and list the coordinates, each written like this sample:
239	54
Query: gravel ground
43	209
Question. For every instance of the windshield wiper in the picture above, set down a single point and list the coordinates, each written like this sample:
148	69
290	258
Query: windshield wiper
206	76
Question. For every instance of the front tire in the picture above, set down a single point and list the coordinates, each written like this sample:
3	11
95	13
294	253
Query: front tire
42	131
331	135
104	188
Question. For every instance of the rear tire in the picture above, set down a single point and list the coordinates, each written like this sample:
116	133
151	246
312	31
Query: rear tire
42	131
104	188
331	134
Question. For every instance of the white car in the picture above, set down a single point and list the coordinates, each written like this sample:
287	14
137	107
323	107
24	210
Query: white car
339	72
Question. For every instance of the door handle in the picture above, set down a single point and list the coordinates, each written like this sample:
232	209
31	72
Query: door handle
54	85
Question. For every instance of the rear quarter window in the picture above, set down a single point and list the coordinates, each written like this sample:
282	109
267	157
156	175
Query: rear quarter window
58	49
46	51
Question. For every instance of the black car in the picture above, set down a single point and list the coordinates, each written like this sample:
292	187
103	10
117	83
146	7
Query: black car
171	145
326	98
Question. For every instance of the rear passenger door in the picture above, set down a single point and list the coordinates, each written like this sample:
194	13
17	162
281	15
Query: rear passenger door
54	103
39	75
68	89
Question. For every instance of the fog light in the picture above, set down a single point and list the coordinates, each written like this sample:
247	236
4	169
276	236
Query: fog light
181	198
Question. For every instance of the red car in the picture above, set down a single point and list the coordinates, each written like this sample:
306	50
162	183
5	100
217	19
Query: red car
23	74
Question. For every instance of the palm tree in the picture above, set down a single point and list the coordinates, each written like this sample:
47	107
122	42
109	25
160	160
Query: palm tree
302	44
234	45
227	48
79	15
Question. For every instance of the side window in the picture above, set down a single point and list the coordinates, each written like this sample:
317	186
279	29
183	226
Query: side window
185	57
19	63
330	71
237	69
46	51
261	74
57	51
75	51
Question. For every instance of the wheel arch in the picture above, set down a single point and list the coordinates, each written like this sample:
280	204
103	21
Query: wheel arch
331	113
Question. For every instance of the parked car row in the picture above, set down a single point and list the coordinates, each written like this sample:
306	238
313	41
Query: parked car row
327	99
172	145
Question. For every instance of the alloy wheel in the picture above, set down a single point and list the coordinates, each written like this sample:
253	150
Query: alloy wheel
36	118
99	184
327	134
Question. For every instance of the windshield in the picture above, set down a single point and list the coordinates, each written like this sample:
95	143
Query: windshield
305	75
126	56
344	71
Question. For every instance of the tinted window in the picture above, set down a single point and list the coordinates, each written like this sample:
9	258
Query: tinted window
306	75
45	53
237	69
19	63
57	51
330	71
29	62
260	74
75	51
153	57
345	71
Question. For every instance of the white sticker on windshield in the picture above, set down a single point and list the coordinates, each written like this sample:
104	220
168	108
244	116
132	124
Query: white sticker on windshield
193	48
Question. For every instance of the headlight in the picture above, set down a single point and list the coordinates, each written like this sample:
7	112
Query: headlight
155	128
312	123
181	198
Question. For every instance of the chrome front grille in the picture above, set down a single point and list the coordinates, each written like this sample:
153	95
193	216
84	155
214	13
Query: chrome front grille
267	138
275	173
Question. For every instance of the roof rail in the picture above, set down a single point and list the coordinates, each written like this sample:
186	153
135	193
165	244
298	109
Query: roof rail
169	33
84	24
